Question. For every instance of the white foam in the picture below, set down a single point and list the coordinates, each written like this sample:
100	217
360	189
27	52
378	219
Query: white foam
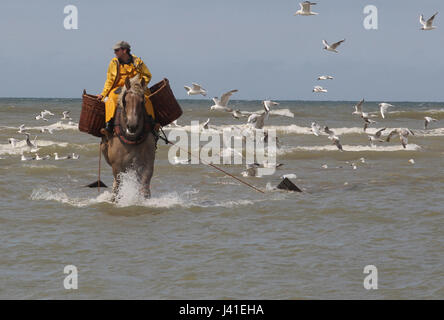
21	146
351	148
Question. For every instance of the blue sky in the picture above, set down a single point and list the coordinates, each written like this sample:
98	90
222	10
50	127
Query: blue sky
257	47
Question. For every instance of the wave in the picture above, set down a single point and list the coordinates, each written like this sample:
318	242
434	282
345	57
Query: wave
58	126
22	147
350	148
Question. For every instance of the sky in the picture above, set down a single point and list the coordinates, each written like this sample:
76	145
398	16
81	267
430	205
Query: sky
258	47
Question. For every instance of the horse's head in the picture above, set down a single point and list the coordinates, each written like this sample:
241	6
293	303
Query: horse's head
133	105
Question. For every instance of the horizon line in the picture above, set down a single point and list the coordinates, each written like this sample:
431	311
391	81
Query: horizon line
284	100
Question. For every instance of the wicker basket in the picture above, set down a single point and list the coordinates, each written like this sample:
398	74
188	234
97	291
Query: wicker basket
92	117
166	108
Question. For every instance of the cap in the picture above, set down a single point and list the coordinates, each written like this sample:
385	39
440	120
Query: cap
122	44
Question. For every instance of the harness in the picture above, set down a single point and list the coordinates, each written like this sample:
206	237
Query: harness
148	126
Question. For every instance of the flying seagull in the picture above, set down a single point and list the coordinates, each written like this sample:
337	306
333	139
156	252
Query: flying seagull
195	89
427	25
315	128
376	137
221	104
306	9
427	121
319	89
258	120
332	47
383	108
358	107
403	135
325	78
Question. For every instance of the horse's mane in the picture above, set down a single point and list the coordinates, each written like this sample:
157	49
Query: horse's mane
136	88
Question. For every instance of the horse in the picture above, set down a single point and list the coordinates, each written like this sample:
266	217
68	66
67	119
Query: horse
132	144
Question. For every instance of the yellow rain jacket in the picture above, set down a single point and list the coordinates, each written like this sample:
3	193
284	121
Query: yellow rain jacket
126	70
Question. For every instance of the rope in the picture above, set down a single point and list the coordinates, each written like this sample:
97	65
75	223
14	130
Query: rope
100	158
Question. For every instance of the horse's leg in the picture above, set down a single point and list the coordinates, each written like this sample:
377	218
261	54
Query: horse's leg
116	185
147	169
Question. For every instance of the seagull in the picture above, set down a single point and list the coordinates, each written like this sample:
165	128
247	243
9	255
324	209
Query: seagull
383	108
305	9
40	116
46	113
289	176
56	157
221	104
427	25
319	89
258	120
177	160
269	104
367	121
332	47
325	78
358	107
336	141
37	157
75	156
196	89
237	114
50	130
315	128
23	158
403	135
427	121
205	125
66	115
412	161
328	131
376	137
21	128
251	170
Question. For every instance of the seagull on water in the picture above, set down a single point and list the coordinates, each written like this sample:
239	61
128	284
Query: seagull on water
376	137
56	157
403	135
37	157
325	78
221	104
332	47
319	89
427	121
23	158
305	9
427	25
50	130
383	108
46	113
75	156
195	89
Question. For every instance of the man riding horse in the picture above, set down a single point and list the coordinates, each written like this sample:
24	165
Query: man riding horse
124	65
